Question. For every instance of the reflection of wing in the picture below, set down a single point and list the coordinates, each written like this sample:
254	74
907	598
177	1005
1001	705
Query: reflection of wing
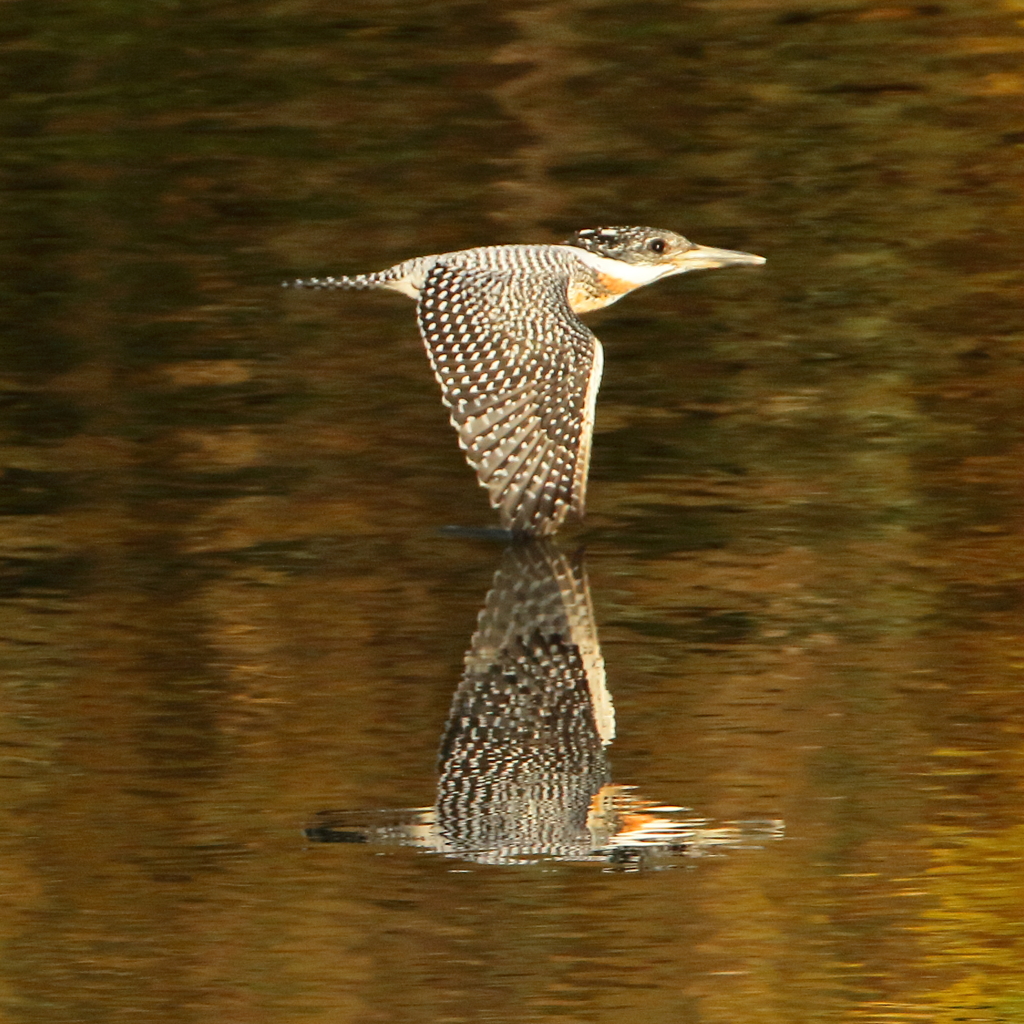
523	752
519	372
538	590
523	773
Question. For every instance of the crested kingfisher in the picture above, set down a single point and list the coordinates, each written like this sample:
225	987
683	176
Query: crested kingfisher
518	369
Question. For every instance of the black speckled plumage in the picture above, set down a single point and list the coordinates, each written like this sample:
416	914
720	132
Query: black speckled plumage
518	402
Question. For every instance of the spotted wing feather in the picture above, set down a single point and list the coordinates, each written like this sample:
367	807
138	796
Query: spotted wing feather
519	373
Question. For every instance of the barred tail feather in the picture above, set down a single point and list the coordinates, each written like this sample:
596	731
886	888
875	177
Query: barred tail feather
404	278
360	283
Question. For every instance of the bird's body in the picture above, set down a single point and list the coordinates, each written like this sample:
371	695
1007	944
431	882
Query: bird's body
519	371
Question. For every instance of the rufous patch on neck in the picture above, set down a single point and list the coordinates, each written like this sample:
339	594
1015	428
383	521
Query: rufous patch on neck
610	281
602	291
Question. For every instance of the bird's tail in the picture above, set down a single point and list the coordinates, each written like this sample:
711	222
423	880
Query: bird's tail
359	283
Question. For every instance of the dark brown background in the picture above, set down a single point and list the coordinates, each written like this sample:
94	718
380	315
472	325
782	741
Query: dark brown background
225	602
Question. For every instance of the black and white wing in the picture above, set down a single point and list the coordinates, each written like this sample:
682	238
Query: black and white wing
519	372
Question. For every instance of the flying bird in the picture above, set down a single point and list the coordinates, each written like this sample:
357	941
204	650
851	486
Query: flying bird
519	371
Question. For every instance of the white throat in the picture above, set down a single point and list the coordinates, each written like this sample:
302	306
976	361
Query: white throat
635	273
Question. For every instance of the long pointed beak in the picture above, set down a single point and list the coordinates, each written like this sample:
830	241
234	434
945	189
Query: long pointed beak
706	257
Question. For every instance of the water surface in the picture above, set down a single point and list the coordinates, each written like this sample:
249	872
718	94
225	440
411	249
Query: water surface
227	605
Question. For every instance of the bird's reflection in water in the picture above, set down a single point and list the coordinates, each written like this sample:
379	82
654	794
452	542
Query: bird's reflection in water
523	771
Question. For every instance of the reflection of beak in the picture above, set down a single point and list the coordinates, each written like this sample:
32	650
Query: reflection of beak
705	257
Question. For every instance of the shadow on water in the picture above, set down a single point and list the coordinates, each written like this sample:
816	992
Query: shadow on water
523	771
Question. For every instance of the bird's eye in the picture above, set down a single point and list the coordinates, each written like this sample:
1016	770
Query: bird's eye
656	245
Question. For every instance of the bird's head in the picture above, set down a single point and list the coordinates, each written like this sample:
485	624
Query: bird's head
658	250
